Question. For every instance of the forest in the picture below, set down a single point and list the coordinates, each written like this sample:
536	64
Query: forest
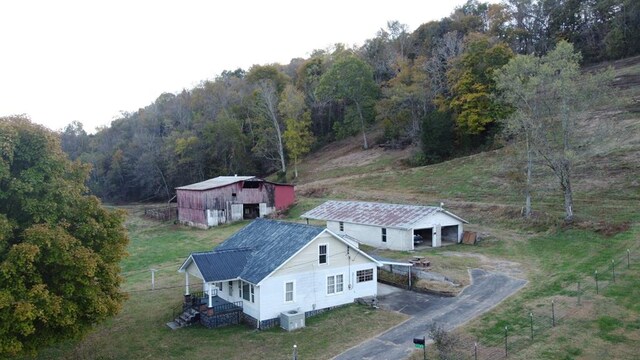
433	88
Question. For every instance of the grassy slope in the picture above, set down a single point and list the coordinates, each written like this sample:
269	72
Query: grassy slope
484	188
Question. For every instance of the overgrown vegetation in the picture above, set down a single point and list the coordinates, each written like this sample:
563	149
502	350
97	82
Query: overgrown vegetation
432	89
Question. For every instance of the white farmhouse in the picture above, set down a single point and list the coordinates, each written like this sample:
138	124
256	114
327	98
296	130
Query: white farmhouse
389	226
272	267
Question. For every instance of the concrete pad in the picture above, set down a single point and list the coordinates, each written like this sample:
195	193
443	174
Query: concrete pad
384	290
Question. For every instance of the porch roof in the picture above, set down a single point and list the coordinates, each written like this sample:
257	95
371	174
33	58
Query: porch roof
221	265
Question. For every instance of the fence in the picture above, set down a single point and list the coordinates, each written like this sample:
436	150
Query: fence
523	331
162	213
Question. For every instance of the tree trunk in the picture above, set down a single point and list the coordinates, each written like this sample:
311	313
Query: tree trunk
568	193
527	190
270	98
364	135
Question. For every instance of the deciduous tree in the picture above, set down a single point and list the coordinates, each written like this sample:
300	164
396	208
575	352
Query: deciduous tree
350	79
59	248
548	94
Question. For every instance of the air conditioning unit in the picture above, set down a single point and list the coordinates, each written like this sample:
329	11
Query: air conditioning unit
292	320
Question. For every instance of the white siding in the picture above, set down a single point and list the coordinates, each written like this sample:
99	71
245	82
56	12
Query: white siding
397	239
236	212
441	219
310	280
192	269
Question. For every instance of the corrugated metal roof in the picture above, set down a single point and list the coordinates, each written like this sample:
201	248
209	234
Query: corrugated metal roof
255	251
371	213
215	182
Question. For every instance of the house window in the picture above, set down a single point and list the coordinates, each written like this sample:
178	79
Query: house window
230	288
288	292
233	196
248	292
341	226
384	235
335	284
219	286
364	275
322	254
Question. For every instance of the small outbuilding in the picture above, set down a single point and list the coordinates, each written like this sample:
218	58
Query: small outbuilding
226	199
390	226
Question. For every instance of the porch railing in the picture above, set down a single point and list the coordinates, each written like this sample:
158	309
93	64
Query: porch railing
226	307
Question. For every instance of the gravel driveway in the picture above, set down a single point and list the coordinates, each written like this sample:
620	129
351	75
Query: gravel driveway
487	289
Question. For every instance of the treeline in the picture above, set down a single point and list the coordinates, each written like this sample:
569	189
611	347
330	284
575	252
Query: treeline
433	88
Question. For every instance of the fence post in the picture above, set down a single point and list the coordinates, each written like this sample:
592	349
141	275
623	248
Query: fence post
578	293
596	274
153	279
613	269
475	351
531	317
506	351
553	314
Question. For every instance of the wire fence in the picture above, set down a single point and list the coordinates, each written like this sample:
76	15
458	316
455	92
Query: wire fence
523	331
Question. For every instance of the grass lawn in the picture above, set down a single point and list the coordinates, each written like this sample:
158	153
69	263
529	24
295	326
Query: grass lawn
139	331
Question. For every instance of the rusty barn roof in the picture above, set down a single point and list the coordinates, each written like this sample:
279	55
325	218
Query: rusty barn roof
371	213
215	182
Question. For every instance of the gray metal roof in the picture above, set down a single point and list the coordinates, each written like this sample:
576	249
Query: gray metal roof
371	213
221	265
255	251
215	182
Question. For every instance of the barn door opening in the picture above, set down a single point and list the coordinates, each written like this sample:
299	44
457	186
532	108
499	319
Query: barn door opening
250	211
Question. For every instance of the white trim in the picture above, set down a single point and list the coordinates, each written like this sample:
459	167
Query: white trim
335	284
363	270
326	254
184	265
453	215
293	292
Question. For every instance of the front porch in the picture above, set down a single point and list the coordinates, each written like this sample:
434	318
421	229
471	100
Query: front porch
207	308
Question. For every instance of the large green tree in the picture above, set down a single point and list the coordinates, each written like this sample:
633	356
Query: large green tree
350	80
59	248
548	95
472	85
297	134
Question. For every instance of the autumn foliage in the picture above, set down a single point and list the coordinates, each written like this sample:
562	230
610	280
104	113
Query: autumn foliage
59	248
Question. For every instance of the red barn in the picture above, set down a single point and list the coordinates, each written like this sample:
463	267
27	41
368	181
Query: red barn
226	199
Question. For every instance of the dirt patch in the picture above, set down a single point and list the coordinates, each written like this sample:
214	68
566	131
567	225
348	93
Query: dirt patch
602	227
509	268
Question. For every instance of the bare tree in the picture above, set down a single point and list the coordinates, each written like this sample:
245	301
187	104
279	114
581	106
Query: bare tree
548	94
267	107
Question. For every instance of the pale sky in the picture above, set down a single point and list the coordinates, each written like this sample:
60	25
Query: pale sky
64	61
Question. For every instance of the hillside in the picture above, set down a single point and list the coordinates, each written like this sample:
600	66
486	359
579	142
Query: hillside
606	171
485	188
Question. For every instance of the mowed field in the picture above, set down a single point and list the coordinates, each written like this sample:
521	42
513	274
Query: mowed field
485	189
